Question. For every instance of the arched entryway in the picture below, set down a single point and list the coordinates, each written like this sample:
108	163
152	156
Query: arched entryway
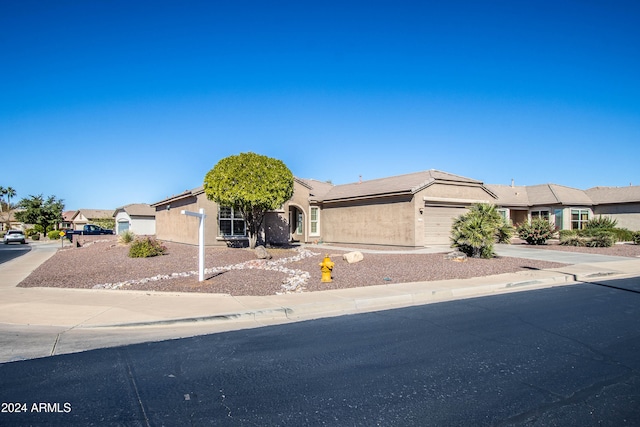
297	229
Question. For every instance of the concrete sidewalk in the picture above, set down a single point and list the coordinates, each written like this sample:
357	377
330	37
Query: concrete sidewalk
39	322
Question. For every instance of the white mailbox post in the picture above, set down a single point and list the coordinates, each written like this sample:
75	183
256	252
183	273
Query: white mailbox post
201	216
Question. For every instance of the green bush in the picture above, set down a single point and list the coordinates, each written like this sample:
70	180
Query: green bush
35	236
601	223
623	234
566	234
602	239
475	232
572	239
536	232
30	232
146	247
126	237
53	235
636	237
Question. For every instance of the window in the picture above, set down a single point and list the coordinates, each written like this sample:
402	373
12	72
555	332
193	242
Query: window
314	221
230	222
540	214
299	223
579	218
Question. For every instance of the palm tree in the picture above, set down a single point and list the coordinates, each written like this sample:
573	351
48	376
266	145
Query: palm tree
3	191
10	192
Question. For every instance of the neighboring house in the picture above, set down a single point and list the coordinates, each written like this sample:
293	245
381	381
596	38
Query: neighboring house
566	207
619	203
67	220
8	221
415	210
83	217
139	218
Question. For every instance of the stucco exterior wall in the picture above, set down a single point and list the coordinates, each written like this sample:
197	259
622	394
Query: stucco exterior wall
387	221
172	226
627	214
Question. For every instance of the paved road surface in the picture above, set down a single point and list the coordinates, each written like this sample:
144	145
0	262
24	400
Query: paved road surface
562	356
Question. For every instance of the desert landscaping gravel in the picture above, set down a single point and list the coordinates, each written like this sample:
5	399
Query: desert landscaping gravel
104	263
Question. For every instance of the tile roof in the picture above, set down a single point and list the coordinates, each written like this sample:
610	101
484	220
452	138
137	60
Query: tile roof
137	209
95	213
317	189
187	193
543	194
606	195
399	184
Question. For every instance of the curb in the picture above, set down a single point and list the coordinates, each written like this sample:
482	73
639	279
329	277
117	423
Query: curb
345	305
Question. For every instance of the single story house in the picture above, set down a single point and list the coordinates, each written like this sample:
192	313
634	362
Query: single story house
83	217
139	218
415	210
67	220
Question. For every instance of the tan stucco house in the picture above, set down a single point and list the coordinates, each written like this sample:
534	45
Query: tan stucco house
83	217
139	218
414	210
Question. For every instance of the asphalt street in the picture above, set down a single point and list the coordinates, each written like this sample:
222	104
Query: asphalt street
565	356
12	251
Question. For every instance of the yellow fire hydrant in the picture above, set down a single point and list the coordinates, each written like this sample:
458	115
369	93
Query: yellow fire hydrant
326	266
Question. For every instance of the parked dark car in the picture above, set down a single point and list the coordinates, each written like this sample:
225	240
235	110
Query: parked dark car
87	230
16	236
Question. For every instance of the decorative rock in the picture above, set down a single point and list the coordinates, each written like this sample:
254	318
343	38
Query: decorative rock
456	256
261	252
352	257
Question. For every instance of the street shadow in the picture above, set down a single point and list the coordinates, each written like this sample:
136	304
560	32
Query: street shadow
9	252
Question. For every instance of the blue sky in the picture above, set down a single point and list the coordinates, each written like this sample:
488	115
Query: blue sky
105	103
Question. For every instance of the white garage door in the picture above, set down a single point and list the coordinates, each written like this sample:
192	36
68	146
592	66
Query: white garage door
437	223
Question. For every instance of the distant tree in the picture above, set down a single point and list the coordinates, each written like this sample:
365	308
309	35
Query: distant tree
251	184
38	211
9	192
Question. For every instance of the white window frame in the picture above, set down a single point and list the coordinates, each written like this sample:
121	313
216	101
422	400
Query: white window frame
580	222
234	217
313	222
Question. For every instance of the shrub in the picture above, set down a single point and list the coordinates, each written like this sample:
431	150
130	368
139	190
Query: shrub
146	247
623	234
126	237
572	240
35	236
475	232
636	237
566	234
53	235
602	239
601	223
536	232
30	232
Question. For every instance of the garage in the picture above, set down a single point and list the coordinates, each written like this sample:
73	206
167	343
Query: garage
438	221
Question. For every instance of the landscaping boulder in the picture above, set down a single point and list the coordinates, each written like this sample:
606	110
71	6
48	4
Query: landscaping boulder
456	256
261	252
352	257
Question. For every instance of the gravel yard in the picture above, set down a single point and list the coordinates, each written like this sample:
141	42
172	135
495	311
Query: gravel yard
103	263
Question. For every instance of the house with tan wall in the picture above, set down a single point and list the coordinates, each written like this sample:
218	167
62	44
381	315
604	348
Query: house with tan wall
82	217
139	218
414	210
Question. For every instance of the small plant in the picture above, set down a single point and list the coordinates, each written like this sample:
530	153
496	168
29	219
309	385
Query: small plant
53	235
146	247
601	223
126	237
602	239
636	237
475	232
536	232
566	234
571	239
35	236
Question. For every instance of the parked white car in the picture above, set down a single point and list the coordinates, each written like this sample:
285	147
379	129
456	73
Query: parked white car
14	236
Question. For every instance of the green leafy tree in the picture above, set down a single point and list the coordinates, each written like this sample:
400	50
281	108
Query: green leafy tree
6	216
251	184
38	211
475	232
